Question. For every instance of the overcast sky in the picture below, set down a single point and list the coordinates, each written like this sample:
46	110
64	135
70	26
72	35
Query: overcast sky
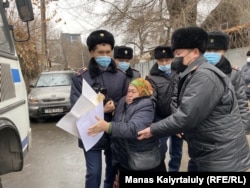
76	20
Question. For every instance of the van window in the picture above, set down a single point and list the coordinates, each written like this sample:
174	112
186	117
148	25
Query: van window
4	43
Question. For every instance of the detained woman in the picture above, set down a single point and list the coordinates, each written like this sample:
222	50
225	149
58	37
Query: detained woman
134	112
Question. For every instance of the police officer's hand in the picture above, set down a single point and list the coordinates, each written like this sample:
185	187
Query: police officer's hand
100	97
145	133
109	106
180	135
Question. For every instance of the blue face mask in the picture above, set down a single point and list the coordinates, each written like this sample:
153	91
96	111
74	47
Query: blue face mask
123	66
164	68
212	57
103	61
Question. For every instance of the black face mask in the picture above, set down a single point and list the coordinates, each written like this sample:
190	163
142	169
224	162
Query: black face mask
178	65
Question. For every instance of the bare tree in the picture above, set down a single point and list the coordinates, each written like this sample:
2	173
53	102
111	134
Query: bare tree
232	17
26	51
225	15
73	51
140	22
182	13
145	24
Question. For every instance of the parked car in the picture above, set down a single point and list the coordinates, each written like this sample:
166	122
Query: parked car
49	96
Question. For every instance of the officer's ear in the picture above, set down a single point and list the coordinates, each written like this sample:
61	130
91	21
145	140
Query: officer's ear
92	53
197	52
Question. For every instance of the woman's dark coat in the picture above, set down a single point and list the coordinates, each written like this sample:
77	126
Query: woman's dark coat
128	120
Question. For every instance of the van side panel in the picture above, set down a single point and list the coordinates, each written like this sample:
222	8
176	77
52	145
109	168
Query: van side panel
15	131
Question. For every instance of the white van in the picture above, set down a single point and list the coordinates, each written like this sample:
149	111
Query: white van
15	131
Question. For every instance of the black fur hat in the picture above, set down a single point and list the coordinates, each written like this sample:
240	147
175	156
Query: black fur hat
99	37
123	52
217	40
189	38
248	53
163	52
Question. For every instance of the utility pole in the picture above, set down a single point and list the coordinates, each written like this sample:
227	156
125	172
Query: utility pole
44	39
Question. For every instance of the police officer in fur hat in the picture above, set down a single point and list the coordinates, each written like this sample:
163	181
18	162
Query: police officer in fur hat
207	113
123	56
163	80
218	43
217	46
104	78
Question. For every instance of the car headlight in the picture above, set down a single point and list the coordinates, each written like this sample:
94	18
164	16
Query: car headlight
32	99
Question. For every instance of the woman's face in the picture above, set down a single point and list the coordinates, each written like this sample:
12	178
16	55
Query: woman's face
131	94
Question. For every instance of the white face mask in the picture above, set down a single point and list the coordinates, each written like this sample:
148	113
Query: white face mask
248	59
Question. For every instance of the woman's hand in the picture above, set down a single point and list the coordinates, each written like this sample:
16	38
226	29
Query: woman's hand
100	126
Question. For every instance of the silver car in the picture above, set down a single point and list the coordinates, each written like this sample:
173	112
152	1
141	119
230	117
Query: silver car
50	95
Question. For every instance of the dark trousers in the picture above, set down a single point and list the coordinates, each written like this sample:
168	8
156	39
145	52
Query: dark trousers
93	160
175	150
192	166
175	153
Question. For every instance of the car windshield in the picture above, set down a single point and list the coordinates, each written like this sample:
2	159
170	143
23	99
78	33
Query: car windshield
51	80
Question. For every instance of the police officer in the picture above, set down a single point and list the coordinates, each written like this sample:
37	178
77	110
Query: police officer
163	80
105	78
215	54
208	112
217	46
123	56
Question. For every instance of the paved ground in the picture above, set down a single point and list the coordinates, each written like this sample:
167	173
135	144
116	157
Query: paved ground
55	161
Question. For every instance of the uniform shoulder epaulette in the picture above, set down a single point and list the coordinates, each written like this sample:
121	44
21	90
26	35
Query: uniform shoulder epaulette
235	67
81	71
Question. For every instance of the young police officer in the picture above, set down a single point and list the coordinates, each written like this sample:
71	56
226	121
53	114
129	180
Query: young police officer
104	77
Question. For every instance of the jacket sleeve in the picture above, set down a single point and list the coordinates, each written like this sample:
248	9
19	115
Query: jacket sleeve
243	72
174	101
196	104
240	92
76	90
141	118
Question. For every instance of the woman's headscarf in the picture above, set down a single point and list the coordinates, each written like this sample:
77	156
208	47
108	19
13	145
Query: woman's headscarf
143	86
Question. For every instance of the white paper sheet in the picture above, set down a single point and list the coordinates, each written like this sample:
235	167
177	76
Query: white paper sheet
68	123
87	102
85	121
